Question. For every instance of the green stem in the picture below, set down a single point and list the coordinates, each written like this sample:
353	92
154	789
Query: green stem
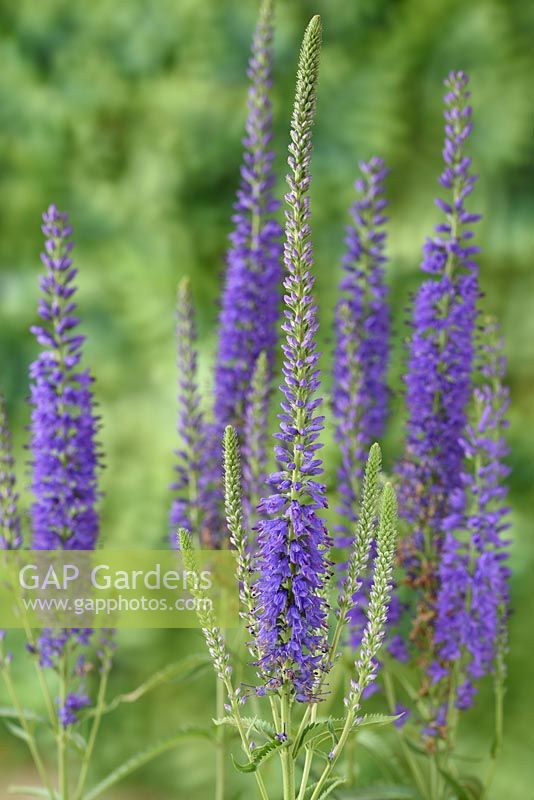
30	739
286	755
63	779
99	710
308	761
408	756
242	733
220	753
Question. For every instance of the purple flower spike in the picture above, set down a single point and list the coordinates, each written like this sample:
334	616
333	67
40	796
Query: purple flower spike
293	540
251	298
362	326
10	535
438	380
65	458
473	595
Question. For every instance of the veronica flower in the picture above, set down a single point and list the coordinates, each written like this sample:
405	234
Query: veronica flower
438	379
250	301
360	392
473	594
65	457
292	562
10	535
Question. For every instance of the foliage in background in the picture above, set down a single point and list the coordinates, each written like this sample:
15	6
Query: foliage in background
131	114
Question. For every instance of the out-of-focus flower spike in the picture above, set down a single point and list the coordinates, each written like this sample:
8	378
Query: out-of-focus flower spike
255	437
362	327
192	502
251	296
10	530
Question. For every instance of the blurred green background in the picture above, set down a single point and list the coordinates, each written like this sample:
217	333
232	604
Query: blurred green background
129	114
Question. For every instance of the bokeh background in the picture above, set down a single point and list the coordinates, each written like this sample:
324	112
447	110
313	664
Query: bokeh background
129	114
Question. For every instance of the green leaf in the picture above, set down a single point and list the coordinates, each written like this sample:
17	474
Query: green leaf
462	791
144	757
12	713
376	720
381	792
260	726
330	786
259	755
178	671
17	731
32	791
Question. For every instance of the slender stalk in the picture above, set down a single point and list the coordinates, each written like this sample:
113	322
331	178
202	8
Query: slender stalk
220	754
99	710
30	739
286	755
63	779
308	760
408	756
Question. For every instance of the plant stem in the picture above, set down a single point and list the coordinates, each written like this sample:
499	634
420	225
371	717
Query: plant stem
220	754
308	761
99	710
30	739
286	755
63	779
242	733
409	758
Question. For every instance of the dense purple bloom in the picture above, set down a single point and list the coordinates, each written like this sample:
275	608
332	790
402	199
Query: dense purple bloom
10	535
69	710
293	541
65	457
360	392
439	375
191	505
473	593
250	302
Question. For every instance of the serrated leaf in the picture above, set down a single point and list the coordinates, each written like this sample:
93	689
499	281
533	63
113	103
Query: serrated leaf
377	720
252	723
330	786
259	755
144	757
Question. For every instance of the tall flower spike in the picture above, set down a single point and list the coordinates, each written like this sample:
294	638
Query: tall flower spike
473	595
293	540
10	535
251	298
360	392
191	505
438	380
65	457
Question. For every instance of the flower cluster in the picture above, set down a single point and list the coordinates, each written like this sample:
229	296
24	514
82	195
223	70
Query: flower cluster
360	392
473	594
440	363
251	295
65	456
292	563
